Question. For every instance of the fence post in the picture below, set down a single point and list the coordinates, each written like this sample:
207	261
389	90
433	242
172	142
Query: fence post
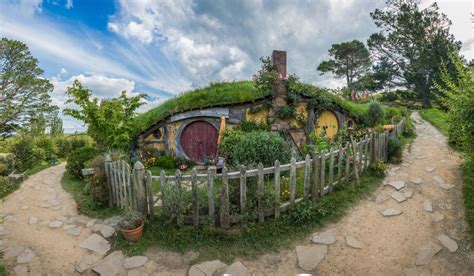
108	173
277	188
243	189
149	192
354	159
323	172
224	200
260	193
292	180
179	215
307	173
195	198
116	183
210	189
372	148
331	169
129	187
361	155
314	189
162	185
139	173
339	164
346	152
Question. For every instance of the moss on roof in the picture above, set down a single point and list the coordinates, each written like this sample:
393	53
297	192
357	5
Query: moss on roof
216	94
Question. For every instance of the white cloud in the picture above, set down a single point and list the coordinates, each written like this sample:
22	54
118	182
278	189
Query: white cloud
63	71
69	4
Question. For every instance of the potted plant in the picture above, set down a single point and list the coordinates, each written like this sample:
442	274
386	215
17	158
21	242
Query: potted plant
131	226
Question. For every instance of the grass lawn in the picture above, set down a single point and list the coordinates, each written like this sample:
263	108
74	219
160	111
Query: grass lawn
251	240
88	205
437	118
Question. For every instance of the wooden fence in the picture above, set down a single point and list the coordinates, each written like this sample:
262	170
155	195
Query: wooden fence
132	189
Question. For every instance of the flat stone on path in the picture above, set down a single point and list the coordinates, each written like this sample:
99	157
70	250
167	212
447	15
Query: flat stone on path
381	198
397	184
309	257
134	272
408	193
324	238
447	242
20	270
426	253
111	265
107	231
391	212
25	257
429	168
437	216
13	251
56	224
68	226
87	262
438	179
75	231
96	243
352	242
113	221
134	262
90	223
97	227
416	180
428	206
235	269
398	197
206	268
32	220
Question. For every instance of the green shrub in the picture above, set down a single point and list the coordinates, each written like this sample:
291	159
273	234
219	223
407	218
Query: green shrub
23	150
249	126
260	146
394	151
166	162
375	114
409	128
230	139
47	144
98	188
78	158
7	164
7	186
63	146
377	169
286	111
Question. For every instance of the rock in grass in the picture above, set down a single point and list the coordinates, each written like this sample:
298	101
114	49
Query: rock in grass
447	242
324	238
391	213
235	269
107	231
309	257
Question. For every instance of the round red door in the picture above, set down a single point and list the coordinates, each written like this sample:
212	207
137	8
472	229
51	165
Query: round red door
199	139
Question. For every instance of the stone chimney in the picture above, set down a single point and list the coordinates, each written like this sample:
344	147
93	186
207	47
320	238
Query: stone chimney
279	92
279	88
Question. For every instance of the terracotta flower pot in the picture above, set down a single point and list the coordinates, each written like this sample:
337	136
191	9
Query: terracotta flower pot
133	235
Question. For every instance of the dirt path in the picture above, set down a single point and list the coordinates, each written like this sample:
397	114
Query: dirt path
28	213
392	245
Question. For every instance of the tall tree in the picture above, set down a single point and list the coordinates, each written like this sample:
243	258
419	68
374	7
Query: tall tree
37	125
349	60
109	121
411	46
23	93
56	126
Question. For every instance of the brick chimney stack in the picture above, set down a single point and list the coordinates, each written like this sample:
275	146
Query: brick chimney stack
279	88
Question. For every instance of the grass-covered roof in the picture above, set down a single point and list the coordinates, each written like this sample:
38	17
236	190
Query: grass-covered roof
216	94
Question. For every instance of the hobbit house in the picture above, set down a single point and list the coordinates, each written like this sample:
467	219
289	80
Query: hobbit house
192	130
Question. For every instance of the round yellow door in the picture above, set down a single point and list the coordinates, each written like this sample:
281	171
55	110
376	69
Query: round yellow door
327	124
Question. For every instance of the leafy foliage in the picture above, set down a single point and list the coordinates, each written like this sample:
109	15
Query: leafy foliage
266	76
78	158
23	150
110	121
375	114
23	92
394	151
349	60
459	99
411	46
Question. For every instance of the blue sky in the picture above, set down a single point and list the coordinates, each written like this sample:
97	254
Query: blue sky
165	47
